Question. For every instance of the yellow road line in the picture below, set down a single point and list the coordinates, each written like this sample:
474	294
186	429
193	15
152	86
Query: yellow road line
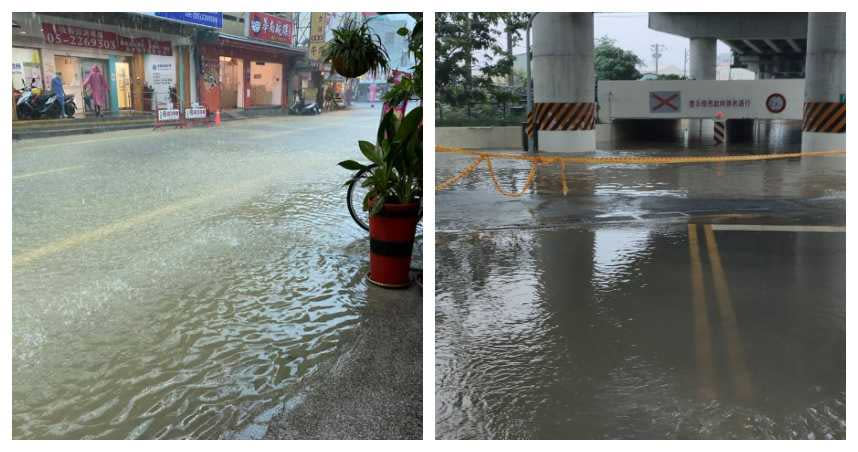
39	173
776	228
123	225
735	351
702	333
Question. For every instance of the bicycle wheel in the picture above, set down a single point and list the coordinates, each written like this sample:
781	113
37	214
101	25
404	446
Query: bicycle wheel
354	198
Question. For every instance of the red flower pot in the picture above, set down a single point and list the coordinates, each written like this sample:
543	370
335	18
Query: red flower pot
391	240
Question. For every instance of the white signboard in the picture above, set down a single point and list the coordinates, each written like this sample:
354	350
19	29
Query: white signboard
761	99
168	115
195	113
160	73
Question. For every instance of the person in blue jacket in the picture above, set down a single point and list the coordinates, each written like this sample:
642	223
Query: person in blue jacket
57	88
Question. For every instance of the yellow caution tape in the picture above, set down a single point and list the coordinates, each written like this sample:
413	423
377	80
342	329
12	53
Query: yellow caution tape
536	160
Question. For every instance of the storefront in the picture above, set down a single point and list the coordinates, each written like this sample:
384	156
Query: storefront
238	72
141	68
27	68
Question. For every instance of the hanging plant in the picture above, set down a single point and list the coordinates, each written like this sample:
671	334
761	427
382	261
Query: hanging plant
355	50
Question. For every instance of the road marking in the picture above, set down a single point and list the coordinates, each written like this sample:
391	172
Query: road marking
128	223
735	351
776	228
39	173
702	332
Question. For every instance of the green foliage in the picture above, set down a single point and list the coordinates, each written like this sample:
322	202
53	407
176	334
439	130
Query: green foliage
410	87
397	176
670	77
614	63
460	77
355	50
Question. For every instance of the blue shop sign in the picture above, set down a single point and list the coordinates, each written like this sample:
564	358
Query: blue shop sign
213	20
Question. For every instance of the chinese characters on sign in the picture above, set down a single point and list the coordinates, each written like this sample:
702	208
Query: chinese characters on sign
107	40
719	103
317	35
270	28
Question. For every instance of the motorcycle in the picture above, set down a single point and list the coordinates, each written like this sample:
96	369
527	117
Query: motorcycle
301	108
34	106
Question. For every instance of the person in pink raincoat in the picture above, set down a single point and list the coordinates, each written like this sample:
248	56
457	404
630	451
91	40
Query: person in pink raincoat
97	87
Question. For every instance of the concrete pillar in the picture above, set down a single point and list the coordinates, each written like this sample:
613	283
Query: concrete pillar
702	60
824	125
564	81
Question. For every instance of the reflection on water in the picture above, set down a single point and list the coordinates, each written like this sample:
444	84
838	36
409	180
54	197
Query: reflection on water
592	333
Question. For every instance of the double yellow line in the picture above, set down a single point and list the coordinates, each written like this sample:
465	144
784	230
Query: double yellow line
736	362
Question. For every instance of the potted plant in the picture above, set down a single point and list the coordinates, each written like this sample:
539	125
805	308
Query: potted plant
355	50
395	179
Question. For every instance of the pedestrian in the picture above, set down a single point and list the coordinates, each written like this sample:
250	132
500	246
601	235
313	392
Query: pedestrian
57	88
98	88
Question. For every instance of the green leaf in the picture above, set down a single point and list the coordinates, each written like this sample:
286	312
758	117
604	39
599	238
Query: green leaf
352	165
368	150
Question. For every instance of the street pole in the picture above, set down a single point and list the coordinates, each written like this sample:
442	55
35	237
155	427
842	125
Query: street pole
531	143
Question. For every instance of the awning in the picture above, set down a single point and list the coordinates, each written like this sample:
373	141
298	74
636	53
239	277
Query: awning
257	45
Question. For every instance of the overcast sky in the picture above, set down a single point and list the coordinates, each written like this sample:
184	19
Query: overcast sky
632	33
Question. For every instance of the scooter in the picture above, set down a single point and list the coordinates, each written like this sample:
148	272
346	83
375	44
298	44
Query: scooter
33	106
52	108
300	108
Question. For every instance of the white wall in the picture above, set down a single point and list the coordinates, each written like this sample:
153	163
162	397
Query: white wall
631	99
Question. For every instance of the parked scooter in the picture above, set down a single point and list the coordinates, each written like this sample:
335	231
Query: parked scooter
301	108
34	106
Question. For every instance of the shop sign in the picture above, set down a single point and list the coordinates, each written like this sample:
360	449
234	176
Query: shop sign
213	20
719	103
168	115
87	37
270	28
317	35
195	113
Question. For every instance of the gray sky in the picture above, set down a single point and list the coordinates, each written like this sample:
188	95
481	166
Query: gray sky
632	33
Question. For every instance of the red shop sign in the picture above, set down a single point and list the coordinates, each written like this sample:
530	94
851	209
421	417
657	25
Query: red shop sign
86	37
270	28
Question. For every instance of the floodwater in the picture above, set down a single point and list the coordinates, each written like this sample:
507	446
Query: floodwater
656	302
182	284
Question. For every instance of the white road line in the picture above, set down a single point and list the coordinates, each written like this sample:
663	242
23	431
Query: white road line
39	173
776	228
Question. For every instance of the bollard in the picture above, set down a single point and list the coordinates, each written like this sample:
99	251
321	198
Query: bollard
217	118
720	128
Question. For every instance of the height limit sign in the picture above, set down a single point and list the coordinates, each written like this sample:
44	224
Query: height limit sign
664	101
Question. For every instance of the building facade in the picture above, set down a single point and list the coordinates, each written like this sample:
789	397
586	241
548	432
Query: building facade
146	59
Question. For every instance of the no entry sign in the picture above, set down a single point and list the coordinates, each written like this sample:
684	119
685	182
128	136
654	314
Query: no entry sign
664	101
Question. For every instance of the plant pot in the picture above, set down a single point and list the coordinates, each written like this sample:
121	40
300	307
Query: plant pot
347	70
391	241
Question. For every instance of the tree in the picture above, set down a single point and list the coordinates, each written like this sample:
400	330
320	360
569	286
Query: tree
469	56
614	63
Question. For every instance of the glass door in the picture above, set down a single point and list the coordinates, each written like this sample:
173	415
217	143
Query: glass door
123	84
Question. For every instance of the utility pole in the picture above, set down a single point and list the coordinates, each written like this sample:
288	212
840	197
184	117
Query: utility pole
685	65
656	54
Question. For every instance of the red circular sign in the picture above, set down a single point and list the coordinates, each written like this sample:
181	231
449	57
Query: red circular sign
776	103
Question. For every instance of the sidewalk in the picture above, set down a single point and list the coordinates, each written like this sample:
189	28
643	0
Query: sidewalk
374	389
41	128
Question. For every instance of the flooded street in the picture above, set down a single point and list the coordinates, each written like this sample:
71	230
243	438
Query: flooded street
695	301
182	283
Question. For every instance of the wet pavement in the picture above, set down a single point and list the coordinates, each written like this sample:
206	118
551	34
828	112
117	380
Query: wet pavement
184	283
658	302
